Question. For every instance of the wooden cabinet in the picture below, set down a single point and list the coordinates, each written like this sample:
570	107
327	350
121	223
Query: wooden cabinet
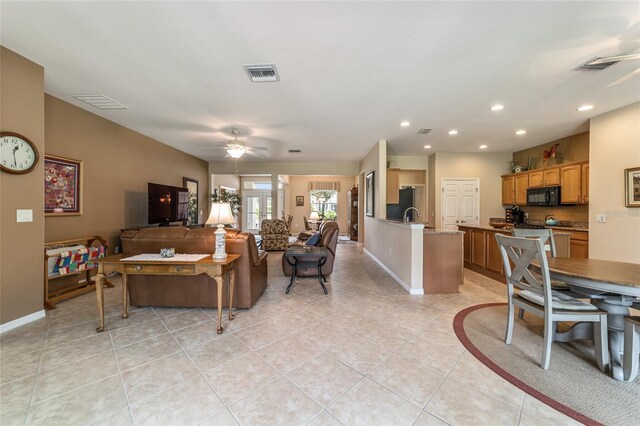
508	189
466	244
494	258
478	238
571	183
393	186
520	191
536	179
352	213
551	177
579	245
585	183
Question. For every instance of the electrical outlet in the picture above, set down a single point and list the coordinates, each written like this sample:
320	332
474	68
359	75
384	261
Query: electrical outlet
24	215
116	250
526	215
601	218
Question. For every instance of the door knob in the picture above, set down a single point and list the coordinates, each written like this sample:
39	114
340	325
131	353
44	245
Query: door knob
463	221
457	221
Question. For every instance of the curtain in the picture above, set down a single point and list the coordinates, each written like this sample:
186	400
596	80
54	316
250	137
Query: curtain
324	186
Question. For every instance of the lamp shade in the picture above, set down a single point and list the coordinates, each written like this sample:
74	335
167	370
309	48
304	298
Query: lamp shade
314	216
220	213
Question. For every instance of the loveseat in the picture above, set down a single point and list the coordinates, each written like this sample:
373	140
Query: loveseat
328	238
200	290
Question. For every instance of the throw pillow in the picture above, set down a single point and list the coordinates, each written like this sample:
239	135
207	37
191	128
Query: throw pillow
313	240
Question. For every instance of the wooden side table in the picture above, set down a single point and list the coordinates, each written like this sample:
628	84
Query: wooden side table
213	268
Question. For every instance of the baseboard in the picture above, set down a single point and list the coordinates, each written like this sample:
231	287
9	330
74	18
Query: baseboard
21	321
416	291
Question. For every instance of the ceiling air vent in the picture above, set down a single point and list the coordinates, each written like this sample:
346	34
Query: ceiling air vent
100	101
424	131
295	151
262	73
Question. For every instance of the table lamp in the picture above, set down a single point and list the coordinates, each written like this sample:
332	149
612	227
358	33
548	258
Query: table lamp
314	216
220	215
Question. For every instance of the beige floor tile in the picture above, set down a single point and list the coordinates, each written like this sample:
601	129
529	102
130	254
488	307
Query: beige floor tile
441	358
136	317
324	378
287	353
19	367
71	376
385	334
325	419
368	403
146	351
149	379
324	336
427	419
531	420
360	353
185	319
472	372
165	312
217	352
135	333
81	406
121	418
14	419
68	333
542	411
187	403
261	334
197	334
458	404
240	376
279	402
15	396
65	353
12	346
294	320
223	418
414	380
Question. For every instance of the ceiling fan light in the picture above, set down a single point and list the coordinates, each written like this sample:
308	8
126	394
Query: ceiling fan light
236	152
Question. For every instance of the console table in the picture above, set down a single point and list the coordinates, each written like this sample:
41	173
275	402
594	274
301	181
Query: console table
303	257
213	268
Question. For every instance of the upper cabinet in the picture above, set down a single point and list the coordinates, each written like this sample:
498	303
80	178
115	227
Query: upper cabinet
393	186
573	179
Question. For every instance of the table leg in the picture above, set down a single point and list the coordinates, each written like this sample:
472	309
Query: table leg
125	297
321	277
218	279
100	296
616	309
232	280
294	274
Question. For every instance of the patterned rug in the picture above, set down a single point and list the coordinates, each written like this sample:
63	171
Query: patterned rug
573	384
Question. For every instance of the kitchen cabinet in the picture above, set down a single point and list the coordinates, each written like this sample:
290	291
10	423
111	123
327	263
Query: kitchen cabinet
585	183
579	245
393	186
551	177
478	238
494	258
466	243
571	183
520	189
508	190
536	179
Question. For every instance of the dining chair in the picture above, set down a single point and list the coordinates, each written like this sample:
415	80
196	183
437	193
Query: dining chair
534	294
307	226
631	347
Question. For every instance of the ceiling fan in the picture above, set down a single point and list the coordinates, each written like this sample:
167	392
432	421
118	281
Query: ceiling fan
236	149
601	63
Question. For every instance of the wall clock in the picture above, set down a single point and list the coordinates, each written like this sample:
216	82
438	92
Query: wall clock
18	154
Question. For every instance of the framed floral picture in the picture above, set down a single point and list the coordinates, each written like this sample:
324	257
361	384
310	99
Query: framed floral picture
192	187
632	187
299	200
62	186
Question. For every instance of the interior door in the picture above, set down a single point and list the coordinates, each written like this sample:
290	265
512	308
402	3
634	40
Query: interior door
459	203
257	207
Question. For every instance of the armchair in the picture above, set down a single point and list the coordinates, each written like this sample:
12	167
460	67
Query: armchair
275	234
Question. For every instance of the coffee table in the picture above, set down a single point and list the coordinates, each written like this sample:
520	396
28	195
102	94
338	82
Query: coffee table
306	257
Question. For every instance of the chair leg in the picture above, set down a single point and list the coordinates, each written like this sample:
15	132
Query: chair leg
548	341
601	343
510	313
520	313
631	351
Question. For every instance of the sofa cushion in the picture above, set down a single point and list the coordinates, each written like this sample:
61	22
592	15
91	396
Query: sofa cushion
313	240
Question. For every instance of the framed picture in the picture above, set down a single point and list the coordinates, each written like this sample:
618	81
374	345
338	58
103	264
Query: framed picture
299	200
62	186
192	187
226	189
369	182
632	187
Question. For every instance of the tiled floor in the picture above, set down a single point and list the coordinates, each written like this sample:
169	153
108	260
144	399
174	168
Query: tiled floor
368	353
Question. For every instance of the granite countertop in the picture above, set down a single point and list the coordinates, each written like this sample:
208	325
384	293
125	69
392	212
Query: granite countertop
441	231
509	227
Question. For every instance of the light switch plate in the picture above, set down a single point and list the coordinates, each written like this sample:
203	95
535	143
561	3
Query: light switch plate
23	215
601	218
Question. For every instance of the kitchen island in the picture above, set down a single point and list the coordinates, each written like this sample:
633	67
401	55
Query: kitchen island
443	264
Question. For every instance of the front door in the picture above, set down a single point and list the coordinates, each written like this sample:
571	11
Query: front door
459	203
257	207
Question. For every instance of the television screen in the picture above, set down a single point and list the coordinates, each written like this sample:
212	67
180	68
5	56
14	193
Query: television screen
167	204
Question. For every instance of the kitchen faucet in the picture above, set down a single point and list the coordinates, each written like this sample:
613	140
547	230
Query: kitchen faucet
404	215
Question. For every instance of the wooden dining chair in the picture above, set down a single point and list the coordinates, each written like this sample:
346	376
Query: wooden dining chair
631	347
534	294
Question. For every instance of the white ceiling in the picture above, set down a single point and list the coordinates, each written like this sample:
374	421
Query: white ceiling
350	71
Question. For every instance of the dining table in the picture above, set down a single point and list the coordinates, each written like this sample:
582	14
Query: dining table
612	286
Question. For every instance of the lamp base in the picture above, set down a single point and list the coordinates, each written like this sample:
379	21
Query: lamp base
220	253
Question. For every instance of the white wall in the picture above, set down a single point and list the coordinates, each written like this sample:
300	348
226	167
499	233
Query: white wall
614	146
411	162
488	167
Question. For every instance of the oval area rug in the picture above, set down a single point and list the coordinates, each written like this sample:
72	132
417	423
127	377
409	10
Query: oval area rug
573	384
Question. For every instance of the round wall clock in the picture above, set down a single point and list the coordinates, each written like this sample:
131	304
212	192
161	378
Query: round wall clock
18	154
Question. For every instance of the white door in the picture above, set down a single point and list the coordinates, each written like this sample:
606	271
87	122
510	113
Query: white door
459	203
256	208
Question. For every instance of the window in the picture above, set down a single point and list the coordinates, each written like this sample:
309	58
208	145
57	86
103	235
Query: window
325	203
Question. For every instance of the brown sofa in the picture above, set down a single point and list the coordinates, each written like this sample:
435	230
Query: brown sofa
200	290
328	238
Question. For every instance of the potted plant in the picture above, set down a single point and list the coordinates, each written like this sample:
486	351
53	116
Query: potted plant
234	200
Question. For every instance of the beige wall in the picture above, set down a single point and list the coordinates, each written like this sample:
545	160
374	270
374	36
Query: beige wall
299	185
118	164
21	246
417	162
375	161
571	148
487	167
614	146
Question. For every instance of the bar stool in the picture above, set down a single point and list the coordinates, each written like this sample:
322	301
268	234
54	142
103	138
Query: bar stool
631	347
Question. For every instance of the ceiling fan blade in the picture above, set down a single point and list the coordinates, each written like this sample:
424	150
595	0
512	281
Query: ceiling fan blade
618	58
259	148
626	78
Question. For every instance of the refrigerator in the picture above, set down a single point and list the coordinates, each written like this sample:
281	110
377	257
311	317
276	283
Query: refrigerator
395	211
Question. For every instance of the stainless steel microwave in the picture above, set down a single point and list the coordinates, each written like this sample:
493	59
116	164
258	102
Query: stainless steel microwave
545	196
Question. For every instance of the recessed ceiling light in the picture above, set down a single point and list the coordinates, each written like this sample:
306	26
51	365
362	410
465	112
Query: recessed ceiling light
453	132
521	132
497	107
585	108
405	124
483	147
427	147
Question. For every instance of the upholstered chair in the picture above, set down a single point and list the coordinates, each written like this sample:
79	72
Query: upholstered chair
275	234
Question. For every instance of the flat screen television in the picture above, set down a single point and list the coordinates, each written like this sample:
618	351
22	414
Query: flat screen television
167	204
